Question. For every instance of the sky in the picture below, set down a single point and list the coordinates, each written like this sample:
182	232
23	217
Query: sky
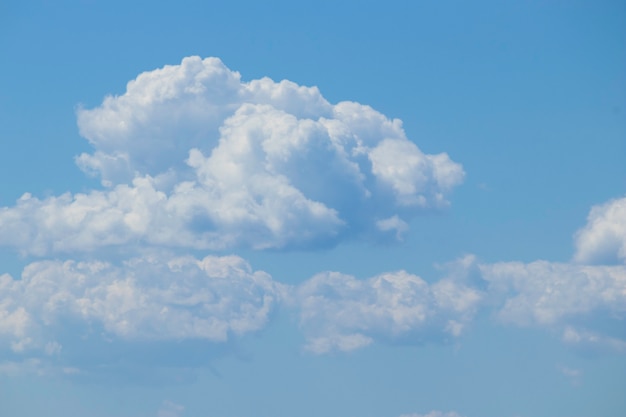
299	209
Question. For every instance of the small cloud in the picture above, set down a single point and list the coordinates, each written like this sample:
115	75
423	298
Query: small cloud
603	239
52	348
393	224
574	375
570	372
483	186
170	409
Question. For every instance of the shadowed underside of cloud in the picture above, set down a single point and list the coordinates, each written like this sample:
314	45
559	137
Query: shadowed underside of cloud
194	157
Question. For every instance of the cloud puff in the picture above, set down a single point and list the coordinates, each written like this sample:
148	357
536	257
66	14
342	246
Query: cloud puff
339	312
194	157
603	239
166	112
146	299
170	409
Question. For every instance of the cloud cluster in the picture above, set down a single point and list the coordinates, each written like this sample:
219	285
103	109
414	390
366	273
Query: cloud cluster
165	297
340	312
171	298
160	298
584	300
145	299
194	157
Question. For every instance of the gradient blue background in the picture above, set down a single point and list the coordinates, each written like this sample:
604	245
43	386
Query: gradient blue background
529	96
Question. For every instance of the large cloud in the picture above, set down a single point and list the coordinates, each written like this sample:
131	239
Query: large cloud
195	157
339	312
147	299
603	239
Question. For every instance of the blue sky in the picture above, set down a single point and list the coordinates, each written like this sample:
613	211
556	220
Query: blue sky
347	209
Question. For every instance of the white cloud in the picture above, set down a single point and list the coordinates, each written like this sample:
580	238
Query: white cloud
28	366
563	297
194	157
546	293
339	312
153	298
603	239
160	298
170	409
586	302
393	224
190	217
586	339
570	372
164	298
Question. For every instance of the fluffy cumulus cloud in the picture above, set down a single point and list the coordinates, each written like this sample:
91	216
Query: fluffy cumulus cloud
341	313
160	299
147	299
192	156
603	239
